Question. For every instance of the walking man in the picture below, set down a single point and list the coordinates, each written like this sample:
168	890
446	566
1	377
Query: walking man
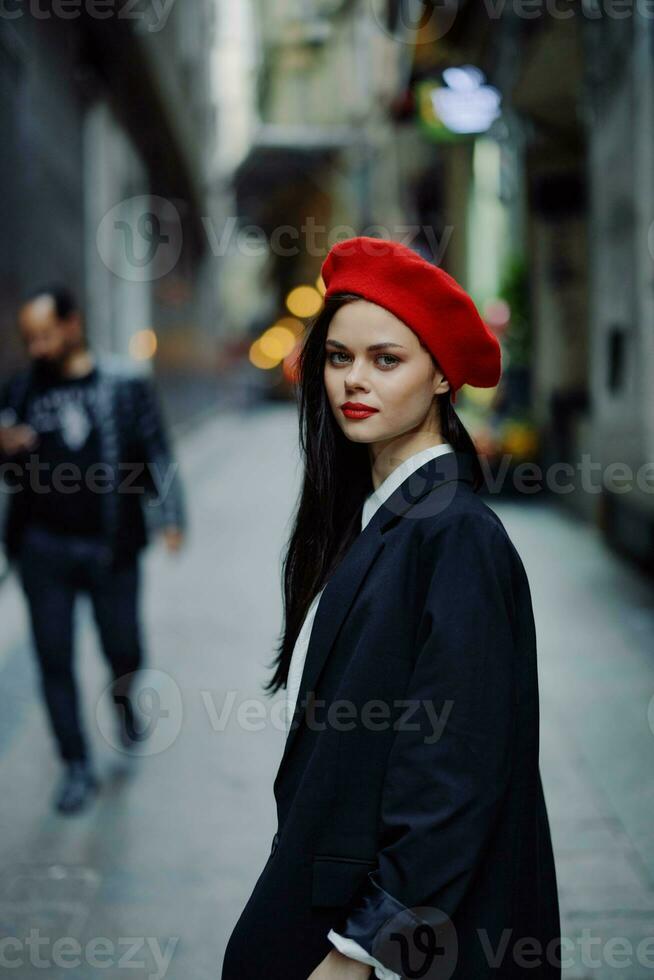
83	448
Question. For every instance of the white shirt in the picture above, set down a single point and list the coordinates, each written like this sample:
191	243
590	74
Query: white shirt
374	500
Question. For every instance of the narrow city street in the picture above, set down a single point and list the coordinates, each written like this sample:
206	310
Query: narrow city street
159	867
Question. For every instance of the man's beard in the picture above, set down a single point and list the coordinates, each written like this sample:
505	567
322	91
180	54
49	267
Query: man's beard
46	369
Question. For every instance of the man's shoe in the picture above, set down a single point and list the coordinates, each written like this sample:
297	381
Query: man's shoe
77	786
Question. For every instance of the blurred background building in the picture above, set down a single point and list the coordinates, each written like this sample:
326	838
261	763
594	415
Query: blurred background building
115	132
562	185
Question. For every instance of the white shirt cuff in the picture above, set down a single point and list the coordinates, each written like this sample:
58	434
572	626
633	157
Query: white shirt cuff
348	947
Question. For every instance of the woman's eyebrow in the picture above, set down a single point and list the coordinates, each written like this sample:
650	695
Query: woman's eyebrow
386	343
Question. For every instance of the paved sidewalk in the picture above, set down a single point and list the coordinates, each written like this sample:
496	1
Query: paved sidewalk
172	847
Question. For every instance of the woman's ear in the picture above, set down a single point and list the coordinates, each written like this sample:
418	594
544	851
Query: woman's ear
441	384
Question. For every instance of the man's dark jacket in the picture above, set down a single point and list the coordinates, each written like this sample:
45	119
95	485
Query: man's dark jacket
427	843
134	449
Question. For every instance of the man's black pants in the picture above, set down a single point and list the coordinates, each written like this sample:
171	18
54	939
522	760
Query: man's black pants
54	569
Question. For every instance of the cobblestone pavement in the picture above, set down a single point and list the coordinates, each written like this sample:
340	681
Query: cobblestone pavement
152	878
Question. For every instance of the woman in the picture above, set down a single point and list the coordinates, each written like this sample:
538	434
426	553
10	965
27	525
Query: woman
413	837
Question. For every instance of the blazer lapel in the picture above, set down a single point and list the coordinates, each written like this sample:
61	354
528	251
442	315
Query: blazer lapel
333	607
414	493
341	590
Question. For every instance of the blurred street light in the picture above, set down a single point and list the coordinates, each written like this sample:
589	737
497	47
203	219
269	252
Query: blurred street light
143	345
304	301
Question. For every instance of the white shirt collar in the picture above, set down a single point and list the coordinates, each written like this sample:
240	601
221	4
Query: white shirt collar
398	476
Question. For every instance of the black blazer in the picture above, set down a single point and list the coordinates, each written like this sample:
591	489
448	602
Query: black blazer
409	800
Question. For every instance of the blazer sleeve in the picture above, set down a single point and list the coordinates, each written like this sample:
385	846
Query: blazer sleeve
444	784
163	469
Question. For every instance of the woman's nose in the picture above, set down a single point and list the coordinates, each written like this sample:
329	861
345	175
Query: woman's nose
355	377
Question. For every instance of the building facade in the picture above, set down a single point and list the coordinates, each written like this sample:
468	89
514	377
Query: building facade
110	127
576	148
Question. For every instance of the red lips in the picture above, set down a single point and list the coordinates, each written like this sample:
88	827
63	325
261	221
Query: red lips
357	410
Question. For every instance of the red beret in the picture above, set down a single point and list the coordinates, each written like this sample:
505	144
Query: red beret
425	298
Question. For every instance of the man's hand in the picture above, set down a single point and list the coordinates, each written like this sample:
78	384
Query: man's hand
335	966
173	539
17	439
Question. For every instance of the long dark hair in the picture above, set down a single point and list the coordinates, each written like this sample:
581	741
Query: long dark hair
337	479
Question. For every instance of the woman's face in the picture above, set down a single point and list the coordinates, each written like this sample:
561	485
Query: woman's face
373	359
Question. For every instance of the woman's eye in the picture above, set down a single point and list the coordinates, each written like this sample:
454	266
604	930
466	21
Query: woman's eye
382	360
393	360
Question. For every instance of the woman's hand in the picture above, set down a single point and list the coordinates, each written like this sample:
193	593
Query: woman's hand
335	966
